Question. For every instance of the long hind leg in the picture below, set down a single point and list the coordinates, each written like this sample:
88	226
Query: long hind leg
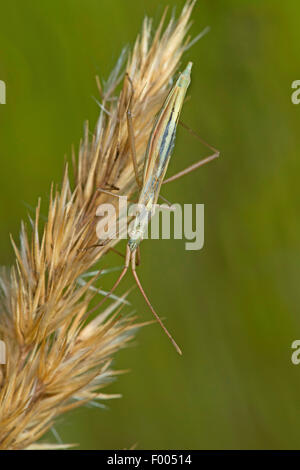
133	267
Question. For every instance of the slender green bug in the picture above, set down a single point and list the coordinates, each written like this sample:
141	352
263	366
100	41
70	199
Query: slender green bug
157	157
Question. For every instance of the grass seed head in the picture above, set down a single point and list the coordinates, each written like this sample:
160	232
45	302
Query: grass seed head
57	358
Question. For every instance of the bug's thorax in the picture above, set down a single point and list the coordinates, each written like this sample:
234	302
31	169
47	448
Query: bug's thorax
140	223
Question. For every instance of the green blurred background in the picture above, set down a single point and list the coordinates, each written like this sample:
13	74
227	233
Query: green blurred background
234	305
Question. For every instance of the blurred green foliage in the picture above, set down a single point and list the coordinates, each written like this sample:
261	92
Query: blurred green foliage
233	306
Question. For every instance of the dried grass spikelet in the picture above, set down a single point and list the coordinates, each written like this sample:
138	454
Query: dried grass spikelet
57	357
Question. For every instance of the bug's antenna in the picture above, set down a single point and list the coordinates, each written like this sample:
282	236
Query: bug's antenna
150	306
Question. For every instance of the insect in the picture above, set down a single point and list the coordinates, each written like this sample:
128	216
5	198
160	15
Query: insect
157	157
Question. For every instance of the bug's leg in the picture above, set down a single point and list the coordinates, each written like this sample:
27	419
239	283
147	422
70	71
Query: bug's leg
138	256
168	204
96	245
215	154
165	200
109	249
191	168
195	134
116	251
127	261
131	134
108	192
133	263
112	186
113	194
